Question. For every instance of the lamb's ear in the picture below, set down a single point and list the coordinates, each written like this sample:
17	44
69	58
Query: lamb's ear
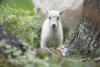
60	12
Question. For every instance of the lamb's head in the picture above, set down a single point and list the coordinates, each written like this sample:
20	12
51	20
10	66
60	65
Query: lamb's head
54	18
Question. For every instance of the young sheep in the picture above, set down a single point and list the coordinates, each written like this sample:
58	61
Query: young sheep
52	33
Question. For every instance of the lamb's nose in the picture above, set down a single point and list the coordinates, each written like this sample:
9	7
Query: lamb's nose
53	25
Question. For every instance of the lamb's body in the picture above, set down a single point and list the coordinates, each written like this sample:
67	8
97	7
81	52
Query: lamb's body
51	37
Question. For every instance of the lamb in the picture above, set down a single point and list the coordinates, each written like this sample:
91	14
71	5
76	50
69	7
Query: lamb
52	33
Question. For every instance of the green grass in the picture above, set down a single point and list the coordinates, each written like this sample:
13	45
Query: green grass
18	17
25	4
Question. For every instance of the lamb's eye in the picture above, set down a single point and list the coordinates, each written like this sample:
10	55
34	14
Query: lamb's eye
49	17
57	18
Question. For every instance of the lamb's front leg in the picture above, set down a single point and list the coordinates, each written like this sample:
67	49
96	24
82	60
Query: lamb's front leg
42	45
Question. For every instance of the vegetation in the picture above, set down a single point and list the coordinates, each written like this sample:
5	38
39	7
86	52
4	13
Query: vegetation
40	58
18	17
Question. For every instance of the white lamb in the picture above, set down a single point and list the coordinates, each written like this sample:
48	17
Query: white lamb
52	33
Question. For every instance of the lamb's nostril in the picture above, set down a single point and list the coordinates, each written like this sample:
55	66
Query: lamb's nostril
53	25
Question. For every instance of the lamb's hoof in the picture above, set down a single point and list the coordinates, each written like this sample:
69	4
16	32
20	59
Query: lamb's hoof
63	51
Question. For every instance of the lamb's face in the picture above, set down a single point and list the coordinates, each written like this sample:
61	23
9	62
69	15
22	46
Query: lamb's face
53	17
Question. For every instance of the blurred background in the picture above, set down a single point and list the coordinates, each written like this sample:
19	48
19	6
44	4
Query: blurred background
19	18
